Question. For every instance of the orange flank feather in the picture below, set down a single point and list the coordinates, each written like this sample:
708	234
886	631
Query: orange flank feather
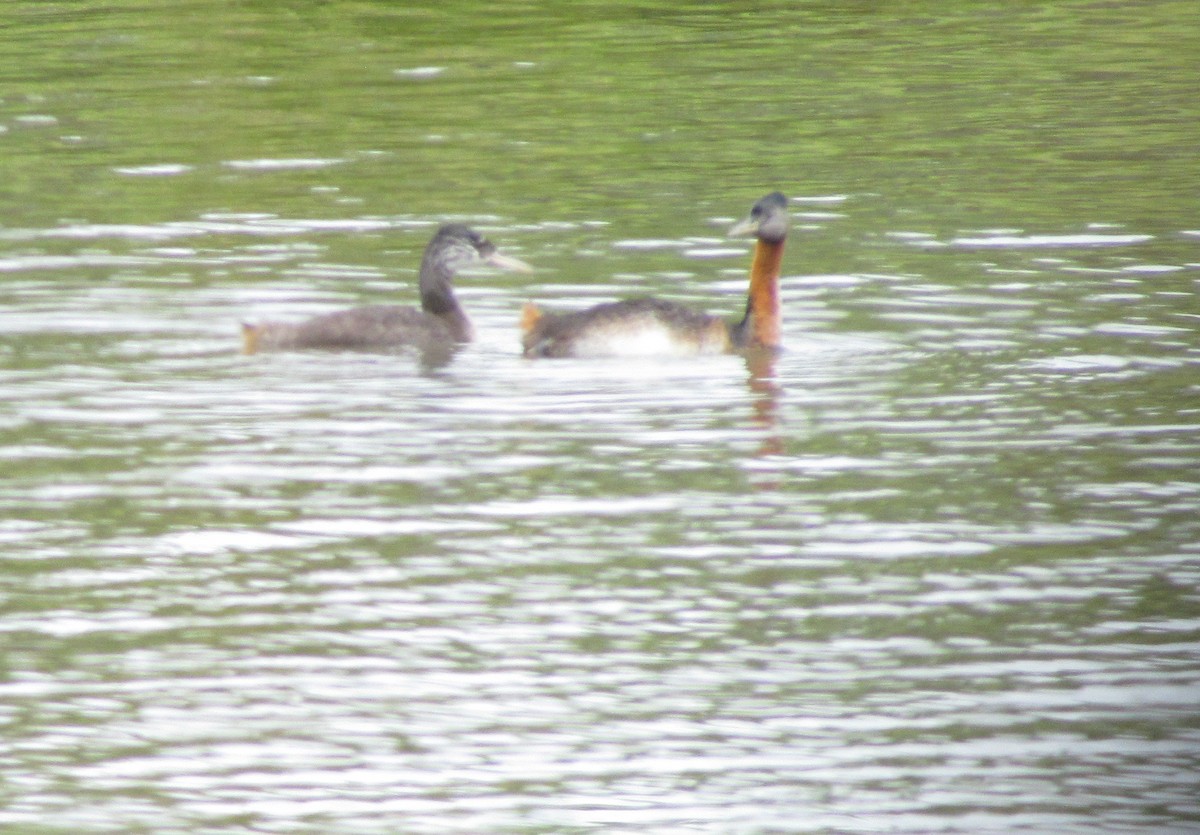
530	316
250	335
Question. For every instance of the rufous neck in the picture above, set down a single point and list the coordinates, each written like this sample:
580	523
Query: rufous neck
763	310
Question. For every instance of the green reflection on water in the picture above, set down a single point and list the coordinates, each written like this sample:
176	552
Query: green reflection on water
1043	115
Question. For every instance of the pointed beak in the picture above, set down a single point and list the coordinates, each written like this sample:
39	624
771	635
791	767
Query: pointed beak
743	228
507	262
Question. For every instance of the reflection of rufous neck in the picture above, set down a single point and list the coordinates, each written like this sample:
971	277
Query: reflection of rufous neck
766	392
764	294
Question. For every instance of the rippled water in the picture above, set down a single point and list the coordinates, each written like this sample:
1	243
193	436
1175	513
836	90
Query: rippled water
933	569
935	572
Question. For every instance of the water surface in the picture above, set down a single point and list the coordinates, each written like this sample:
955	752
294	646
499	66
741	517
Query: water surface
933	569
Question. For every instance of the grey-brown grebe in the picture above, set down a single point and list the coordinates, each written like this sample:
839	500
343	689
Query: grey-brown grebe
441	322
656	327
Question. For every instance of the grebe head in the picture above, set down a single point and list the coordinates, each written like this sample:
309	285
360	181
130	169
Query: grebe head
456	246
453	247
768	219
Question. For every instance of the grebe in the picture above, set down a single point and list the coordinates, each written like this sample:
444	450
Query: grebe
440	323
649	326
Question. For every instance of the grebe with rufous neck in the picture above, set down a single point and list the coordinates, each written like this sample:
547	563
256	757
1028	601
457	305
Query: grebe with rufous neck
655	327
441	323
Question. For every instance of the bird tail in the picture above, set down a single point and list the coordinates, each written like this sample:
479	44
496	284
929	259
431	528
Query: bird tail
250	337
530	316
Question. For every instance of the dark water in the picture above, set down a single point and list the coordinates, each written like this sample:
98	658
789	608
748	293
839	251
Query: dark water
935	569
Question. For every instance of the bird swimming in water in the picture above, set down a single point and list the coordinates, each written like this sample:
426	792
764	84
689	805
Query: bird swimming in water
655	327
440	324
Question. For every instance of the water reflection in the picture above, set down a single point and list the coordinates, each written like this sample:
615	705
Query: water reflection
765	392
